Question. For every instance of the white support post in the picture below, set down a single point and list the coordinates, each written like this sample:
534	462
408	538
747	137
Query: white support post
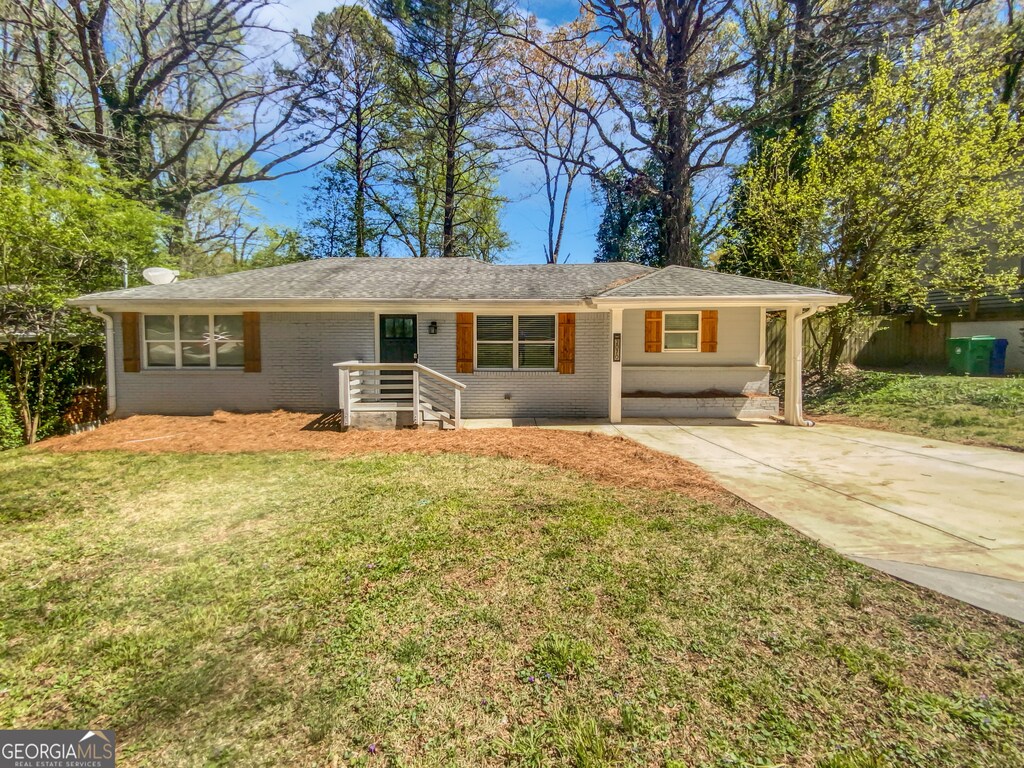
417	413
458	408
794	400
762	350
344	389
615	379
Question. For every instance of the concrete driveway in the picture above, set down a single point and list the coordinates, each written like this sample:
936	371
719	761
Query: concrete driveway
946	516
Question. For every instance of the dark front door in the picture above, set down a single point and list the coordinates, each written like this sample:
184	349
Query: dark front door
398	339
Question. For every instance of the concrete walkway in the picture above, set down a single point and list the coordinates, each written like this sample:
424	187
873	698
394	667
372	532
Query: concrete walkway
946	516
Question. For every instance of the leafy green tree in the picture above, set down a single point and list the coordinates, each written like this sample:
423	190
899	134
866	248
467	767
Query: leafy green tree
328	229
66	229
355	54
10	428
630	228
913	186
450	54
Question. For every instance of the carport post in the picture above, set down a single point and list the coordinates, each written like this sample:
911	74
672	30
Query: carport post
615	379
794	400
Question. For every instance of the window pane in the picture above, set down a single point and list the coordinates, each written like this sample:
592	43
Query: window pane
494	355
159	327
681	322
537	356
494	328
195	354
399	328
680	341
227	327
230	354
159	353
194	327
537	328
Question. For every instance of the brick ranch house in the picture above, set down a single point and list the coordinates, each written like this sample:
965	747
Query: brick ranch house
457	337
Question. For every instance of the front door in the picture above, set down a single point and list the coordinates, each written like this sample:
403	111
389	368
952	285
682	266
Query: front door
398	339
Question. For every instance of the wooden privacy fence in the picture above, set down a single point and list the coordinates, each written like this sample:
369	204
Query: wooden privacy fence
882	342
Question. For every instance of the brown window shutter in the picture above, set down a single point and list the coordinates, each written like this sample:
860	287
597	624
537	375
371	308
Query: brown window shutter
251	342
709	330
463	342
567	342
652	331
130	338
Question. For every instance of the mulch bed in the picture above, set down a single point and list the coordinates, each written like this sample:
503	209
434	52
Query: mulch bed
606	459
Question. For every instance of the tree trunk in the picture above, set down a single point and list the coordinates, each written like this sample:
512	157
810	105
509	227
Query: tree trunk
557	250
359	204
801	108
838	334
677	185
450	142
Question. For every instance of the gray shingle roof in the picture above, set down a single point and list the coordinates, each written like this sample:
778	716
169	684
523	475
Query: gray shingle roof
412	280
388	279
684	282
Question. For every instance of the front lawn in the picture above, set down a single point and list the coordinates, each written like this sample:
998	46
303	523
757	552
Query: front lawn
300	609
986	411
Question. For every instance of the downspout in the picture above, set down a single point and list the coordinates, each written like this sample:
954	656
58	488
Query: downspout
108	321
796	355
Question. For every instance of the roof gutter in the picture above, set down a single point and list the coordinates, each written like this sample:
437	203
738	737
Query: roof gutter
108	321
824	300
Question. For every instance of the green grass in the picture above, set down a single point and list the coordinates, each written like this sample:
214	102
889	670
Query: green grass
986	411
276	609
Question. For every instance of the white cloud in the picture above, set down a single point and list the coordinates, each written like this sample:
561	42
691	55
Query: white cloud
297	14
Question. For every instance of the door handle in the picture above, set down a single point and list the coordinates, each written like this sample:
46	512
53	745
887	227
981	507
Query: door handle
415	357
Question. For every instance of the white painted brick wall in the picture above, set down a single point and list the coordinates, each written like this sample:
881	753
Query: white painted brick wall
701	407
738	379
299	350
583	394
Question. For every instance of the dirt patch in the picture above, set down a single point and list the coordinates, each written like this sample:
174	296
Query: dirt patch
606	459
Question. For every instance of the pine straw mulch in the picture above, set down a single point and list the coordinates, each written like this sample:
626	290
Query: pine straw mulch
610	460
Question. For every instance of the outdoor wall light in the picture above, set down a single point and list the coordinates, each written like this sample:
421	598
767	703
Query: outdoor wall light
432	328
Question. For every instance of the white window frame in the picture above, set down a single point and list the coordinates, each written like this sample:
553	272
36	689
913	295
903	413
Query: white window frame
515	342
177	340
665	332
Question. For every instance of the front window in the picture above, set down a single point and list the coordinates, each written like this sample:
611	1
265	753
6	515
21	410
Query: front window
193	341
682	332
515	342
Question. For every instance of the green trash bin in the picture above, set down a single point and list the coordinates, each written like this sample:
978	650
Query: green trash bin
957	350
980	355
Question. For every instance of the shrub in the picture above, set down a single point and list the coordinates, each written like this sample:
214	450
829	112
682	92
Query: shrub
10	429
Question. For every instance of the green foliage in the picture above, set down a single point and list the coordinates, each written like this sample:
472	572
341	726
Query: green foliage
450	59
913	186
958	408
630	228
355	55
66	230
10	430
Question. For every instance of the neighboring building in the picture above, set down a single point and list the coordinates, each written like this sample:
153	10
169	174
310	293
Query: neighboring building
603	341
996	315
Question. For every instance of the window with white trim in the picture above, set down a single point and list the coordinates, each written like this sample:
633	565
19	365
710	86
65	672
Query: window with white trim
682	332
515	342
193	341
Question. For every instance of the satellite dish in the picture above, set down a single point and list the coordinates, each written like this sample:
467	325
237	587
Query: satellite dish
159	275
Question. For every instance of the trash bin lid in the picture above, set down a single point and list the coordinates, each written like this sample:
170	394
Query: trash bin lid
983	338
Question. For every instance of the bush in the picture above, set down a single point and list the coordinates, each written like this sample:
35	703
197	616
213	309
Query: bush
10	428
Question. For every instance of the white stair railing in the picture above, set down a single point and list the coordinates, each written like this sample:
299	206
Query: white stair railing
394	387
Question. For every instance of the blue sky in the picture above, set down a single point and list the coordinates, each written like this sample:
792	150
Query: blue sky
525	215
